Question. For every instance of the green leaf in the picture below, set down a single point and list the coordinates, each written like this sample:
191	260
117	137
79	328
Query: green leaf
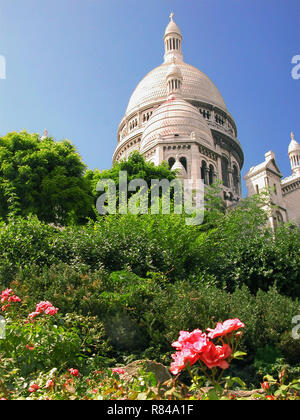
239	381
239	355
213	395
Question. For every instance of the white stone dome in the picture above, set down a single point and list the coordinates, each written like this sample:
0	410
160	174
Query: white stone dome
172	28
294	145
174	70
175	118
179	168
196	86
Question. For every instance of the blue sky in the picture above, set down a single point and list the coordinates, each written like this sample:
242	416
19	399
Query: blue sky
71	66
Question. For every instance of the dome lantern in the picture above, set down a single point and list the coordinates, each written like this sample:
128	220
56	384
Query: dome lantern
294	155
174	79
173	42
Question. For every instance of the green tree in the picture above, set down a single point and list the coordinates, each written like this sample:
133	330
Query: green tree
42	177
242	249
136	168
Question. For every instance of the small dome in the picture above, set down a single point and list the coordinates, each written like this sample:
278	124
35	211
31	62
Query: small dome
179	167
175	118
172	27
294	145
174	70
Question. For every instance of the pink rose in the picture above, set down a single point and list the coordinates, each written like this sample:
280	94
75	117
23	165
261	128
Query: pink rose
119	371
215	356
195	341
74	372
51	310
45	307
33	315
227	327
33	388
181	358
9	296
5	294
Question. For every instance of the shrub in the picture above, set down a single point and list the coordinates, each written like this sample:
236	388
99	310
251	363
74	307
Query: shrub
242	250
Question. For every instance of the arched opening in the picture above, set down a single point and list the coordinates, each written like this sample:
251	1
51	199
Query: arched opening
211	174
279	217
203	171
183	162
171	162
225	172
236	181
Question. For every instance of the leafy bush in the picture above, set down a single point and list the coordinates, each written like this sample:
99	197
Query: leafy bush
24	242
242	250
234	248
145	243
185	305
290	348
145	314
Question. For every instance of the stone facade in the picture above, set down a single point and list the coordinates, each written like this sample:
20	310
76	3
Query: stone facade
176	114
284	193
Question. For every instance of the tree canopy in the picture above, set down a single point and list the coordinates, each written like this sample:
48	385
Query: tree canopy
42	177
135	166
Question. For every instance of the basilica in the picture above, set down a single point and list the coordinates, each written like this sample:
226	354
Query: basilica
176	114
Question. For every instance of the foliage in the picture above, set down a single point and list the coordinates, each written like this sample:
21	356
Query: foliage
140	316
146	243
42	177
235	247
126	284
51	357
280	389
241	249
136	168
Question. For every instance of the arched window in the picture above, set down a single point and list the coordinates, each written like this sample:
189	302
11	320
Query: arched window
279	217
225	172
183	162
211	174
203	171
236	181
171	162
